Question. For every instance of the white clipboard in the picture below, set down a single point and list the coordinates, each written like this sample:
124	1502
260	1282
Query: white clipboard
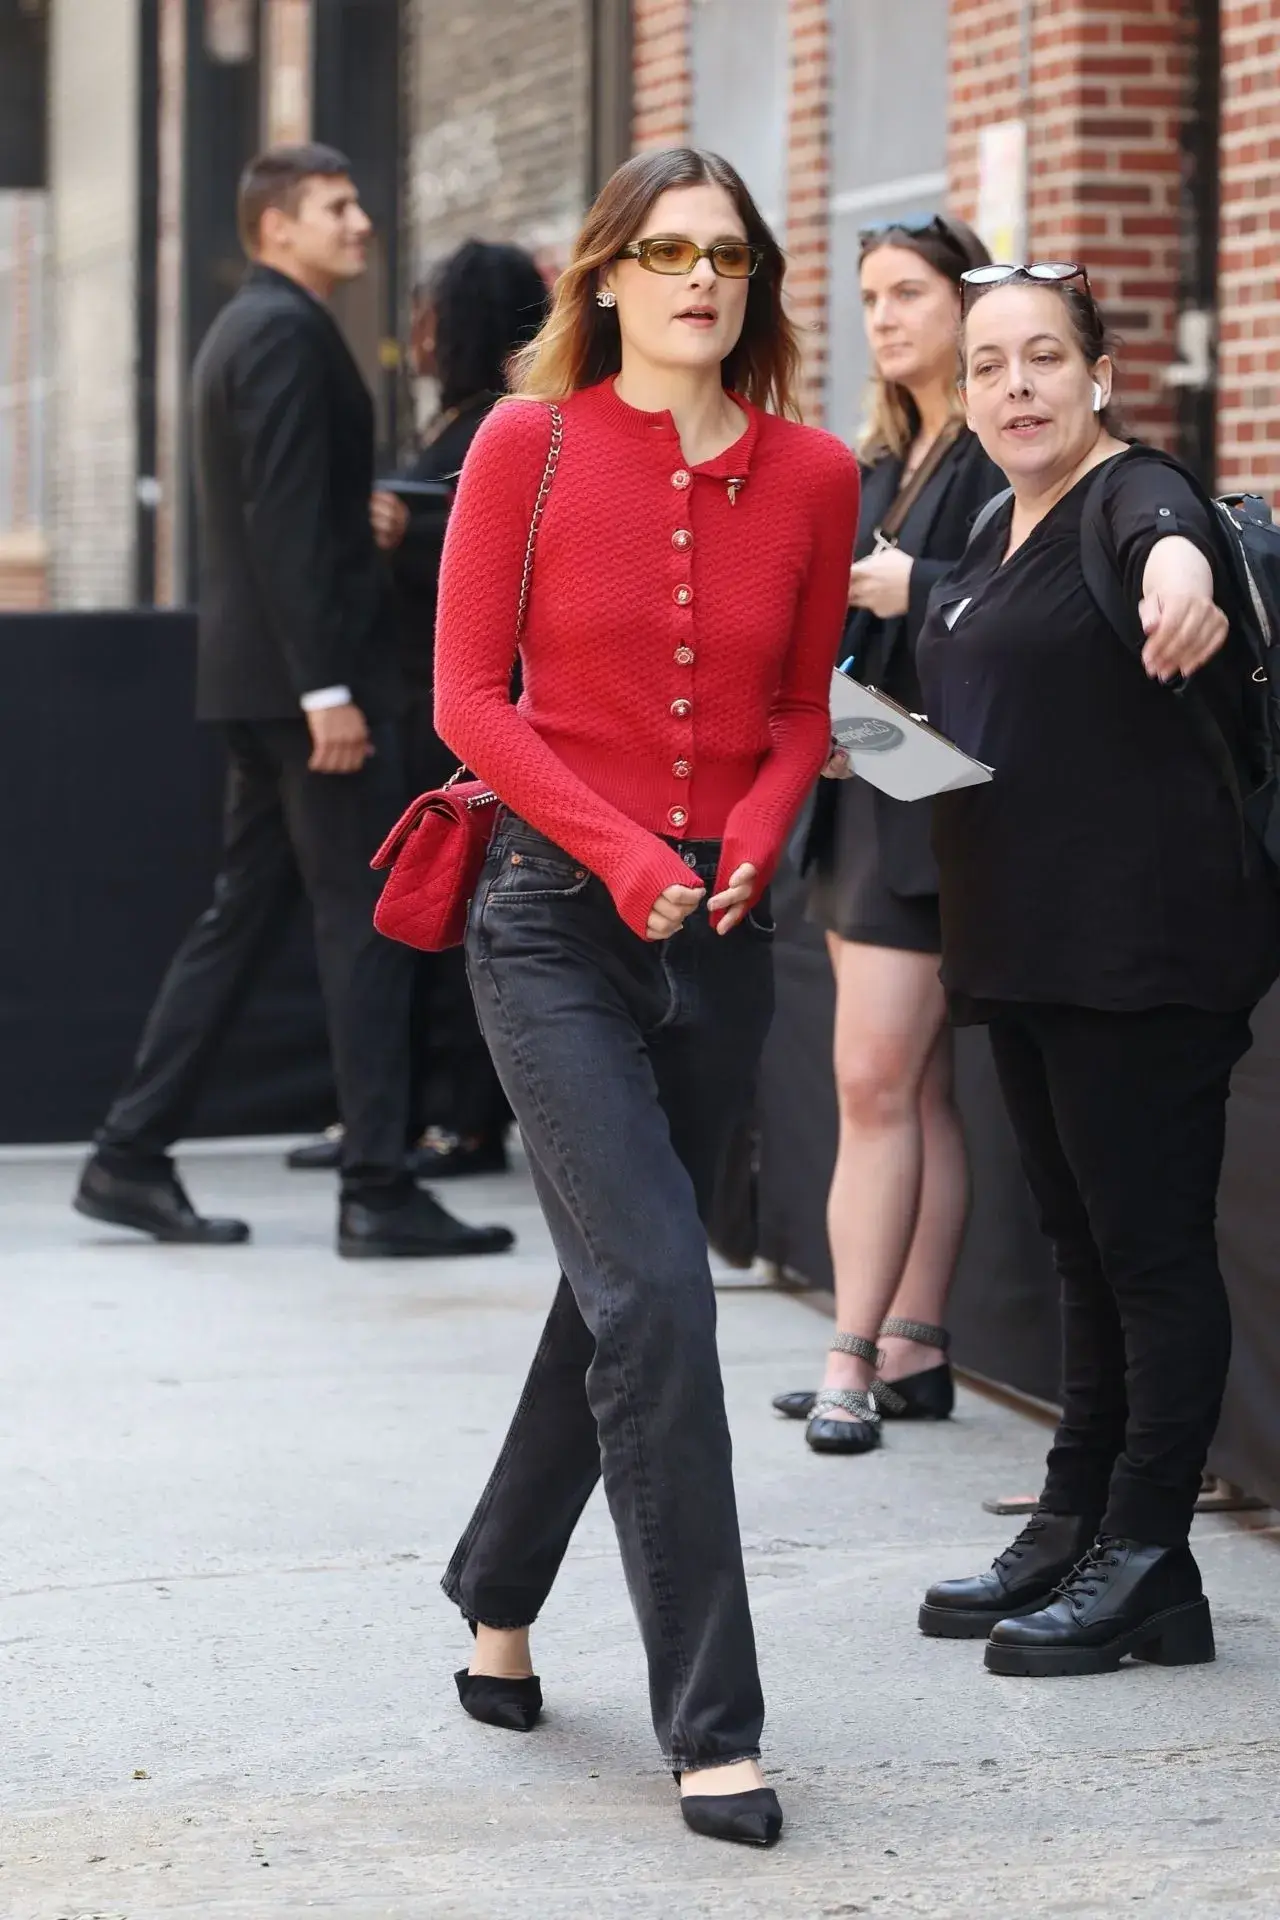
896	751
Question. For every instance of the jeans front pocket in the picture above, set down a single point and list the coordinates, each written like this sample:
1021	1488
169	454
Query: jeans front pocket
520	877
760	918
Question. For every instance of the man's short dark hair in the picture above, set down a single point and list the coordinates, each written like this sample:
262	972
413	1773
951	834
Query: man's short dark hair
276	179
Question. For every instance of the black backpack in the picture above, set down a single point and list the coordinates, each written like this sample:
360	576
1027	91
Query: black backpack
1243	743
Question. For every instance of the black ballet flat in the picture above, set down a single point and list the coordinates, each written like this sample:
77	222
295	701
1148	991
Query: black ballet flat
927	1395
753	1819
513	1704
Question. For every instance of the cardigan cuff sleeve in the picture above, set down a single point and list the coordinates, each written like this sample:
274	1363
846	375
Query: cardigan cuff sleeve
635	884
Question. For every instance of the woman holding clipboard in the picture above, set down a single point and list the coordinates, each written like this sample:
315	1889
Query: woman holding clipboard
900	1188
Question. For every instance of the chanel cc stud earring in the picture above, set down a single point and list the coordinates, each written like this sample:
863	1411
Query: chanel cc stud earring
606	299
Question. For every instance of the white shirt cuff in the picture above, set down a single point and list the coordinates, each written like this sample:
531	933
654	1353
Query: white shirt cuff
325	697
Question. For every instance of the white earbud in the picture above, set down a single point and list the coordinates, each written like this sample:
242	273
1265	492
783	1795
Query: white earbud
1098	402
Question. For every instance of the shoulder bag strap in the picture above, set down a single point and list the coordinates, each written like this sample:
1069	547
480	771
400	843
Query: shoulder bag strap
890	527
535	521
539	508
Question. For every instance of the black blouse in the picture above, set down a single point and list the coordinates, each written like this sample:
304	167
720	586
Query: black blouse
1103	866
934	533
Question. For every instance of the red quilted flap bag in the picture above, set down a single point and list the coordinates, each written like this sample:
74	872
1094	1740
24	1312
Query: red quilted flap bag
435	852
437	847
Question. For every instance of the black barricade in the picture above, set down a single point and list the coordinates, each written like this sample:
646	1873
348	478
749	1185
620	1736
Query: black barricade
108	836
109	809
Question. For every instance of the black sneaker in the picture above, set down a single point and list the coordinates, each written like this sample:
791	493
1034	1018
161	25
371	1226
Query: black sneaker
1123	1597
1021	1579
153	1200
418	1228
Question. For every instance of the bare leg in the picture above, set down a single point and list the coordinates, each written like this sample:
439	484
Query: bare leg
502	1652
890	1011
940	1220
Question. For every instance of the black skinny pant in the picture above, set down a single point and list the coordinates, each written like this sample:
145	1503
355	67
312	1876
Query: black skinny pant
1120	1120
627	1062
287	831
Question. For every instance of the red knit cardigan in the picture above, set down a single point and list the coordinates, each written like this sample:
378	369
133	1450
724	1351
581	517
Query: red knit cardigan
679	640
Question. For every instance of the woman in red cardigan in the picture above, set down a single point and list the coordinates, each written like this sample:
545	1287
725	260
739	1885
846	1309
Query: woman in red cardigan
688	591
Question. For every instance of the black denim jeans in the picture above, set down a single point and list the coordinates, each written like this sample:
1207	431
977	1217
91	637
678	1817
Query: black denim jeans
626	1063
1120	1120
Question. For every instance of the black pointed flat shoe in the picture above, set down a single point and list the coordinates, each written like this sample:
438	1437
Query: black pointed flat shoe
753	1819
513	1704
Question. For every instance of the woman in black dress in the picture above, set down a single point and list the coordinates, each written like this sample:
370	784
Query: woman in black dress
1108	914
900	1187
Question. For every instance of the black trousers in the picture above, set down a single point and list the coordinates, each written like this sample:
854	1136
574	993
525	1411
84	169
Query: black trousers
1120	1121
285	831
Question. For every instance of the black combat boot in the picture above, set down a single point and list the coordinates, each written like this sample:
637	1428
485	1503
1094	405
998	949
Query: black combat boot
1022	1578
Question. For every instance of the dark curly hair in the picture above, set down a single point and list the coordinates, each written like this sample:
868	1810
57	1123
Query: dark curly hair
489	299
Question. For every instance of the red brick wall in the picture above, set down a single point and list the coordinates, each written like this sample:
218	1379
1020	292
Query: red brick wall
663	76
1249	255
1105	107
985	62
808	186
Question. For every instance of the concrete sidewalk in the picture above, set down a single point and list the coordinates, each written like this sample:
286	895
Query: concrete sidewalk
232	1479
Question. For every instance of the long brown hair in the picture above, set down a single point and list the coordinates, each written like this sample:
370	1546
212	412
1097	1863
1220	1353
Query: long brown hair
891	421
580	343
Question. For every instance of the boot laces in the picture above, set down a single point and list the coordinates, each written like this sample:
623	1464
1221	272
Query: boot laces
1093	1572
1016	1548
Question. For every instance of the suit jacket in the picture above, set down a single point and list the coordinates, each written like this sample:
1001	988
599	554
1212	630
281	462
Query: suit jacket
294	595
935	533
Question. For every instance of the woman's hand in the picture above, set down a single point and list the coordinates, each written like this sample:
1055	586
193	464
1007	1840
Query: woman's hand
1183	626
389	518
671	909
837	767
881	583
1183	631
735	899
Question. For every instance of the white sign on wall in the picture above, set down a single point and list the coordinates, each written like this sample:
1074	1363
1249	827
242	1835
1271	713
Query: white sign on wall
1002	190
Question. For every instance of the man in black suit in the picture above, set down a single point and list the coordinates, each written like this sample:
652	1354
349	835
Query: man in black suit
297	662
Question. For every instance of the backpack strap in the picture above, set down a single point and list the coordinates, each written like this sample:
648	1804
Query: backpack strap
1101	569
987	513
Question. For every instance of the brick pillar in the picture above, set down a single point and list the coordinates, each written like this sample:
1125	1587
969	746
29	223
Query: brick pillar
1249	252
286	65
1103	91
984	87
808	186
663	108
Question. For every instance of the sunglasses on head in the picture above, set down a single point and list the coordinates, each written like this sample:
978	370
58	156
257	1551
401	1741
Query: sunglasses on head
1052	273
673	253
914	225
